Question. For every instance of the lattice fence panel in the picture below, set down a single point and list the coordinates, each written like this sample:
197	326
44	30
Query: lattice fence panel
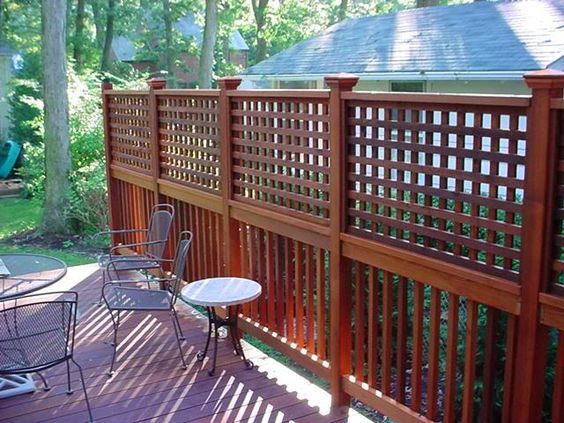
281	154
129	132
189	140
445	180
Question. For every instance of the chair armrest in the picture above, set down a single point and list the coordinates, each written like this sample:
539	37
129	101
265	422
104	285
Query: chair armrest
134	244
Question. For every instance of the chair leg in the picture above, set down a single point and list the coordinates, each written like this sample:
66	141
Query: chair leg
100	300
178	340
84	389
46	386
116	327
182	337
69	389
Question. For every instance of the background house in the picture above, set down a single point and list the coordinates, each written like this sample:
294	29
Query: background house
6	71
124	50
482	47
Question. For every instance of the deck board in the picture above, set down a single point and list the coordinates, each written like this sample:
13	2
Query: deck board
150	385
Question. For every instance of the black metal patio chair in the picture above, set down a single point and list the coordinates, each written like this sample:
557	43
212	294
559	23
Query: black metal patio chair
120	297
38	334
152	248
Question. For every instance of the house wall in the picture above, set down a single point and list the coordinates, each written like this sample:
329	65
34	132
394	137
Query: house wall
5	75
457	87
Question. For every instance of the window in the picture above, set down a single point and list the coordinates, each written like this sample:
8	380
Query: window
408	87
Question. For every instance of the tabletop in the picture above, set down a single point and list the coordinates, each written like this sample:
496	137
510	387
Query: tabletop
224	291
24	273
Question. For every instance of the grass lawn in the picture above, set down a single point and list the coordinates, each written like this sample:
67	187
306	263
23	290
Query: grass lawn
18	216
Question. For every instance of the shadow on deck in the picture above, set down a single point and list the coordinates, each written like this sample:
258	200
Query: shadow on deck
150	384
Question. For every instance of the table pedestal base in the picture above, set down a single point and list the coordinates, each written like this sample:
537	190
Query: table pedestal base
15	385
217	322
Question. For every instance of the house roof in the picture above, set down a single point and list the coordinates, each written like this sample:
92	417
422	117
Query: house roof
477	37
125	50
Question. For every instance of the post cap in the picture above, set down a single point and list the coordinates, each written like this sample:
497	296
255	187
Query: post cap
545	78
106	84
343	80
157	83
229	82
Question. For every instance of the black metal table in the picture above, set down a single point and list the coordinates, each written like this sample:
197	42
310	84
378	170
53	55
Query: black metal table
21	274
222	292
26	273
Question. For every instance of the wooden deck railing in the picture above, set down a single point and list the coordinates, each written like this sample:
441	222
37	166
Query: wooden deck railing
410	246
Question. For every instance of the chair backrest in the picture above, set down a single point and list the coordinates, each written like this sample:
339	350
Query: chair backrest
159	229
39	333
179	265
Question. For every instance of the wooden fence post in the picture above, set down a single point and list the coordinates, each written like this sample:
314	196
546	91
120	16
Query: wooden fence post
536	252
155	84
113	201
340	291
231	250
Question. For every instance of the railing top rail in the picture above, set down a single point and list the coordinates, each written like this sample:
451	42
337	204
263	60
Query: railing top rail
126	92
279	93
437	98
188	92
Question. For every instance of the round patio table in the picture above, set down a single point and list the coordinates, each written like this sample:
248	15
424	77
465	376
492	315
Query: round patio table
21	274
222	292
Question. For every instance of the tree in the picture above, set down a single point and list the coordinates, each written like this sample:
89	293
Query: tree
79	34
343	10
426	3
208	45
168	52
56	116
98	22
259	10
106	53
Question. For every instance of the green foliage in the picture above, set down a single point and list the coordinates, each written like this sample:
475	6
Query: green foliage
88	183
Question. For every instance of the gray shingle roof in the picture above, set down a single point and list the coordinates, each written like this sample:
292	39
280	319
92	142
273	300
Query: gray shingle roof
476	37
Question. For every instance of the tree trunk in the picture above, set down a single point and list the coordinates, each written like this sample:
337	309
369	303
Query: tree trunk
78	34
208	45
426	3
97	13
259	10
56	120
343	10
106	54
168	38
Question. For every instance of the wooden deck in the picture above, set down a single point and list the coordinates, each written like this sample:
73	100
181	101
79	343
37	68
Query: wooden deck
150	384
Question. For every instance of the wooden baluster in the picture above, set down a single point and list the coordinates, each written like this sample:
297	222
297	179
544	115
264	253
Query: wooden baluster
340	313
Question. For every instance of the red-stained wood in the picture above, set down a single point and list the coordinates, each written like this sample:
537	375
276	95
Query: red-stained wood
387	313
290	294
490	361
417	355
401	343
373	327
271	181
434	345
451	385
537	246
359	321
320	304
340	315
470	342
508	370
